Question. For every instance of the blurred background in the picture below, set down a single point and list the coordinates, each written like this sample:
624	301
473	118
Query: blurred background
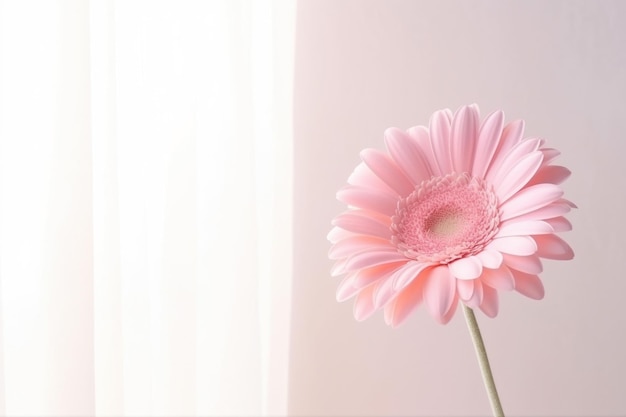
168	174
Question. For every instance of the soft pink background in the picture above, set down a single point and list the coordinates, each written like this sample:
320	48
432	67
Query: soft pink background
362	66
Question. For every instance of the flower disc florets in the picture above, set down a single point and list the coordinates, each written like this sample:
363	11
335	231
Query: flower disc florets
445	218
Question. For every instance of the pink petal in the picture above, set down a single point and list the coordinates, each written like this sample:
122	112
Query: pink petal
360	221
550	154
517	176
466	268
362	176
336	234
529	285
369	259
388	313
338	268
345	289
511	136
489	306
524	228
405	303
530	199
355	244
450	313
440	140
490	258
368	199
439	290
465	288
364	304
487	143
366	276
569	203
552	210
529	264
408	155
402	277
388	171
463	138
502	165
500	279
560	224
422	138
475	107
553	247
514	245
383	292
477	296
553	174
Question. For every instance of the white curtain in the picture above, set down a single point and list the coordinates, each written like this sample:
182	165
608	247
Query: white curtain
145	206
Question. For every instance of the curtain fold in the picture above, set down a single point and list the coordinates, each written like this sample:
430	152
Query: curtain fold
145	207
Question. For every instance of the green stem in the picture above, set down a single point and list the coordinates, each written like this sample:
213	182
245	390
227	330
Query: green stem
483	361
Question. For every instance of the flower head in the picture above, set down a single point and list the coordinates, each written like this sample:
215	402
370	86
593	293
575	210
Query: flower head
450	213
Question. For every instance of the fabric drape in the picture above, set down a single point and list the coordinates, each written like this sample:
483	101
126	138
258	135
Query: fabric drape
145	207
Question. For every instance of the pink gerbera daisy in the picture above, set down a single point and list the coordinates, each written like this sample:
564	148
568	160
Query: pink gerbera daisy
450	213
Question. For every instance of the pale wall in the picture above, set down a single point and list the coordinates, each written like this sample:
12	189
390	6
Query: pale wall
362	66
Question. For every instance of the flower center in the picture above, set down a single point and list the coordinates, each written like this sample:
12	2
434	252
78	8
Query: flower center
444	222
445	218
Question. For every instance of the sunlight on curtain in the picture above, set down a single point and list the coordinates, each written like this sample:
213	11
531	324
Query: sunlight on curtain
145	207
